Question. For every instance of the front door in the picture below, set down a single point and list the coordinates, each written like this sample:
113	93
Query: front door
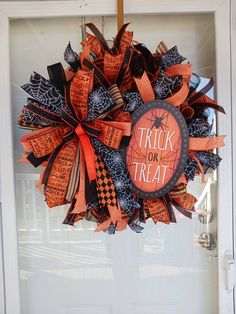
71	270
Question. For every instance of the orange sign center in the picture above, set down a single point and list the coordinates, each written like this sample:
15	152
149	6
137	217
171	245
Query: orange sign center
156	148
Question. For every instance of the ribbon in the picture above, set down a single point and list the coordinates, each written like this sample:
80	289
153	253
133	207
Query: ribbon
80	205
99	36
144	87
179	97
194	157
157	210
79	90
161	49
206	143
43	142
111	65
106	190
183	201
58	178
93	44
88	150
180	69
187	111
203	101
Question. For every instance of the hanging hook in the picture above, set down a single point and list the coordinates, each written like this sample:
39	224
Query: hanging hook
103	24
83	28
120	14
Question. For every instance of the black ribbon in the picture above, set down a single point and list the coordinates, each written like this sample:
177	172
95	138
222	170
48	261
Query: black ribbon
99	36
119	35
202	92
57	76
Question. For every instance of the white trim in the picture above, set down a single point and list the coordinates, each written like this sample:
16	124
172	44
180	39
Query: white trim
42	9
233	84
105	7
223	74
9	228
2	280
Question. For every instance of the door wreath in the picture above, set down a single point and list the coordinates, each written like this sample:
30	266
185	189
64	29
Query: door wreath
119	133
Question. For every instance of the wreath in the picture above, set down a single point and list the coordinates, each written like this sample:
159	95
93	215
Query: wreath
85	120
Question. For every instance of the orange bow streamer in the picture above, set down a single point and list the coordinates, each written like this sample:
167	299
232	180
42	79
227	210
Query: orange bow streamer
126	40
93	43
183	201
79	91
112	65
145	88
44	141
60	174
112	131
88	150
157	210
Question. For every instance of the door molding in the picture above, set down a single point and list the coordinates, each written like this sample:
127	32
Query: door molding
39	9
233	82
2	279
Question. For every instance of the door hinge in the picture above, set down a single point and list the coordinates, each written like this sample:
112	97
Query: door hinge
230	270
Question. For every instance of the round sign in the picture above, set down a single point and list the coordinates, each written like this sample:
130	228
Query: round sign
158	149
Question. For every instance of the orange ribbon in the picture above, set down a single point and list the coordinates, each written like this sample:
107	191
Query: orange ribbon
111	132
145	87
180	69
88	152
60	174
157	210
79	91
42	142
93	43
206	143
179	97
185	201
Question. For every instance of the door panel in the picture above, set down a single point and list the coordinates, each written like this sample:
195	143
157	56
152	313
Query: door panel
70	270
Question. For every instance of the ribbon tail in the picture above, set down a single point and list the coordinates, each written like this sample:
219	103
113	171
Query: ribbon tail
71	218
184	204
57	173
80	204
200	167
206	143
104	225
88	152
183	211
145	87
158	211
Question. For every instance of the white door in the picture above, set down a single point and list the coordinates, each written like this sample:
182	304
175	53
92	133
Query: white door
68	270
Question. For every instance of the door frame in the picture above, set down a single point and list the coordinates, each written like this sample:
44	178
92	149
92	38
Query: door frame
42	9
233	82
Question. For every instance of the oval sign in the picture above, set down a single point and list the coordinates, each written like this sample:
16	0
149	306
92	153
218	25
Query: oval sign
158	149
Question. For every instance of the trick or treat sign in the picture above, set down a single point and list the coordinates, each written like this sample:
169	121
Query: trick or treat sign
158	149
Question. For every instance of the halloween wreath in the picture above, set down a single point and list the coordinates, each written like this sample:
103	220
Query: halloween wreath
119	133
